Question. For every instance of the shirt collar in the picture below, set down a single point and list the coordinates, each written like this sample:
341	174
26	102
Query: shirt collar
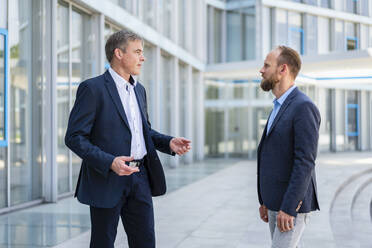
119	80
284	96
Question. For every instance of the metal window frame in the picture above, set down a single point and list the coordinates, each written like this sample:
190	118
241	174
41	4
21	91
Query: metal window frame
4	142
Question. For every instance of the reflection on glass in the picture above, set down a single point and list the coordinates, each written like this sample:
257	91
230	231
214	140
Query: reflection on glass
166	14
3	174
149	12
295	31
325	3
237	141
214	132
3	178
282	29
63	97
234	36
2	84
25	45
82	67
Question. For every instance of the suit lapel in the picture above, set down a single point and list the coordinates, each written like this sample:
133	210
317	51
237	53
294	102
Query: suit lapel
282	109
111	87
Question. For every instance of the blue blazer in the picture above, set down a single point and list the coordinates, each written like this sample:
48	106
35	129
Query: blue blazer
286	157
98	131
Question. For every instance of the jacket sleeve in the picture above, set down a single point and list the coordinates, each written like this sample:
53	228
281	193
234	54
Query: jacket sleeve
80	124
306	134
161	141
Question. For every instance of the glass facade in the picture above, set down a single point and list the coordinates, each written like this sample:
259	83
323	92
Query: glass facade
25	79
166	9
296	32
235	110
240	35
75	63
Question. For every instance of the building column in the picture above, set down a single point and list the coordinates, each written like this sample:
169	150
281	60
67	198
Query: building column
175	112
200	128
189	112
157	87
364	109
50	172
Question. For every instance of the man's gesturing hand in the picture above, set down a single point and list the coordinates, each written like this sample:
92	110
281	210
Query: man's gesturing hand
284	221
120	168
263	213
180	145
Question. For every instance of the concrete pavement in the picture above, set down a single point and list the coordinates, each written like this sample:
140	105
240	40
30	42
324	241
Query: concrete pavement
221	210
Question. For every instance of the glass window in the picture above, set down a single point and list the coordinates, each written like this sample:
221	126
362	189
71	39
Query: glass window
126	4
182	6
3	13
214	35
325	3
312	2
234	36
214	132
370	36
63	96
166	15
81	66
364	7
339	5
148	8
351	36
249	29
25	66
3	171
69	74
166	94
147	78
339	36
324	41
3	36
282	27
312	34
352	6
296	32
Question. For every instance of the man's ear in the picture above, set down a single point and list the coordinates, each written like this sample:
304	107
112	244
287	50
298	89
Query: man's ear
118	53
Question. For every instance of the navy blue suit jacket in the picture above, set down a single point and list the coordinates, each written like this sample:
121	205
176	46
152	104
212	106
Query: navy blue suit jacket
98	131
286	157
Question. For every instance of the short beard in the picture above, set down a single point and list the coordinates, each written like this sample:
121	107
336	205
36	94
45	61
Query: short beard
269	84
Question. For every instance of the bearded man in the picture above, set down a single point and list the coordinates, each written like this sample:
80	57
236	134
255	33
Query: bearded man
286	182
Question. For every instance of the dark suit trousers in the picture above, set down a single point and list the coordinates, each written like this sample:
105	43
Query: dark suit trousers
136	211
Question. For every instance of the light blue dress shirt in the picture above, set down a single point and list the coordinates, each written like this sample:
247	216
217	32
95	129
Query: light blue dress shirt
277	105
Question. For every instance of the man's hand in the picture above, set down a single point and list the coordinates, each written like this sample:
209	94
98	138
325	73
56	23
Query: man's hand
263	213
120	168
180	145
284	221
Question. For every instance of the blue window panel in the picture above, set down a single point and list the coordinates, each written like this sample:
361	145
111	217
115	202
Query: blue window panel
300	31
351	39
4	142
348	108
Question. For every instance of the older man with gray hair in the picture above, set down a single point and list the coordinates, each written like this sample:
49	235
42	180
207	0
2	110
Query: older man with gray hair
109	129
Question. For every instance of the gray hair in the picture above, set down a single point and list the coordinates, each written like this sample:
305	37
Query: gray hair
119	40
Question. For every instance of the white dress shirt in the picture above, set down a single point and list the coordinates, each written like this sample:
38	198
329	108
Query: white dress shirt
129	100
